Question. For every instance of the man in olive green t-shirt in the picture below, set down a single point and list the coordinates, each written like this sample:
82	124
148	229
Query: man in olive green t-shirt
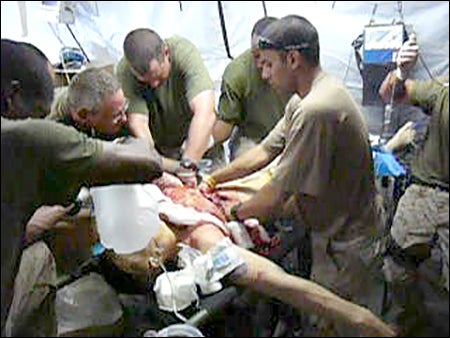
247	102
46	163
93	103
419	235
170	93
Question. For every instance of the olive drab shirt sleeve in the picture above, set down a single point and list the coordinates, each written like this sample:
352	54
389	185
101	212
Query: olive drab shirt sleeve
432	161
233	91
40	146
230	103
249	101
131	88
430	95
39	160
72	154
189	63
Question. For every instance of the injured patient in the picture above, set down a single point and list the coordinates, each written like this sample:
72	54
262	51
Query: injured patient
189	217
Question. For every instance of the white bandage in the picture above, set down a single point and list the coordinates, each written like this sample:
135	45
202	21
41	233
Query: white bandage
224	258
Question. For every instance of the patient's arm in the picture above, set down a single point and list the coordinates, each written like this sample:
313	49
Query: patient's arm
266	277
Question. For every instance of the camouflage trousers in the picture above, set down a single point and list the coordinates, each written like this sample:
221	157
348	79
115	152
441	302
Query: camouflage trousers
349	269
32	312
418	293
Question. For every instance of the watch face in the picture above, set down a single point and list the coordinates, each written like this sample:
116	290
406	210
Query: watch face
188	164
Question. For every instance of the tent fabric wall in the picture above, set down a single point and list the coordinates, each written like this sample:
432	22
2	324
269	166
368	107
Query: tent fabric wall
338	24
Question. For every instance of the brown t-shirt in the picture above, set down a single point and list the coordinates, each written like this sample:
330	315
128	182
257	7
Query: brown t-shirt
326	155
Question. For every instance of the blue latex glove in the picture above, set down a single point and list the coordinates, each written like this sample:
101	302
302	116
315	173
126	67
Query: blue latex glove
386	164
98	249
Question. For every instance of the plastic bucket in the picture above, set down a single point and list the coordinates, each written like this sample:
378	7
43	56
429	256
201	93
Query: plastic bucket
126	216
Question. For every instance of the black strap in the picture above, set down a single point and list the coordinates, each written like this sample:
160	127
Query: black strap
224	29
357	45
264	8
78	43
399	255
416	180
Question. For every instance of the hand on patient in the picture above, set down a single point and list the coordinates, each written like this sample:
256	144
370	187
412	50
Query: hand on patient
207	185
45	218
189	178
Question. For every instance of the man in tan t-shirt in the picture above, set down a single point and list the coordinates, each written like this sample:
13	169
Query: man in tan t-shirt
324	178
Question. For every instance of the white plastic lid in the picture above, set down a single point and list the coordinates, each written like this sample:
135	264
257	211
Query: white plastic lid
126	216
180	330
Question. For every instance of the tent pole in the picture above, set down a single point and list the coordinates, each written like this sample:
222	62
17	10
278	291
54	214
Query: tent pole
224	29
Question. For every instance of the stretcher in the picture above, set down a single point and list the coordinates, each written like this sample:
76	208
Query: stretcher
216	311
288	242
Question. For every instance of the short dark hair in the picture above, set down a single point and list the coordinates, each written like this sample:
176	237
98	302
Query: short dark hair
292	32
26	67
141	46
261	24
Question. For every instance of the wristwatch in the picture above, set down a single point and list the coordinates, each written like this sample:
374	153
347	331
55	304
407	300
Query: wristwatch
188	164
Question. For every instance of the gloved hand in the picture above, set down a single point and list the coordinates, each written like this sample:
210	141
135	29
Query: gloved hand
407	57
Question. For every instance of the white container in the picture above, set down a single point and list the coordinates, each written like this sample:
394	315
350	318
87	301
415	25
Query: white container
175	330
126	216
175	290
180	330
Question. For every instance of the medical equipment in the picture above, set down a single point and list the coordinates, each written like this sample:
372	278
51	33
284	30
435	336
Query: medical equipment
126	216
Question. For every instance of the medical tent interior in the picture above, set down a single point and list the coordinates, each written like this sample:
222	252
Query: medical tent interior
221	30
